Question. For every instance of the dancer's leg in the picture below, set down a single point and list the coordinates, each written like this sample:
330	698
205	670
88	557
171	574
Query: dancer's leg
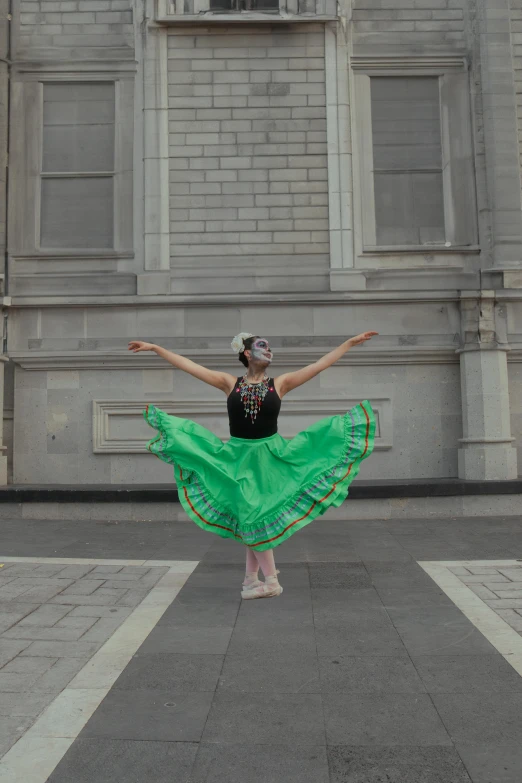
270	587
252	566
251	571
266	561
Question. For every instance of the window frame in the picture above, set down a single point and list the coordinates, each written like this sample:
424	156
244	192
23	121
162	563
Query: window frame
27	162
458	174
173	11
98	174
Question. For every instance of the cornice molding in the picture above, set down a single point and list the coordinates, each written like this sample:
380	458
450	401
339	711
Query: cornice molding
242	300
429	62
285	357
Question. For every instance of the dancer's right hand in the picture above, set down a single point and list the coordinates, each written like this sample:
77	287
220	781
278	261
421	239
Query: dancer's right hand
137	345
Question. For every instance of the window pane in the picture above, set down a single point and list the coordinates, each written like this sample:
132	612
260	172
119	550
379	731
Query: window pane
406	122
244	5
78	127
409	208
77	212
407	156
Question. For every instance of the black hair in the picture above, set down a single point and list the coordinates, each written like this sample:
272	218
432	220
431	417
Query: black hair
247	346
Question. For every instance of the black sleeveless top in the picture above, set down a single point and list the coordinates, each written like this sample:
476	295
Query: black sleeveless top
265	423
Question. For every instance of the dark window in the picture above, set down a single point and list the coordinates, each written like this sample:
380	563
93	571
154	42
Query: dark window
237	6
407	160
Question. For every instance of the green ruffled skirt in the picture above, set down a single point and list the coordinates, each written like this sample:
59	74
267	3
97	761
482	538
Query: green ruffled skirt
260	492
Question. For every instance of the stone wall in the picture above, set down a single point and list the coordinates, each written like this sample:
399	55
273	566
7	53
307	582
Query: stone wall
248	167
80	395
77	26
408	26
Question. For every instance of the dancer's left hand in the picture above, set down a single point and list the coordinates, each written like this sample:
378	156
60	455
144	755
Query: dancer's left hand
361	338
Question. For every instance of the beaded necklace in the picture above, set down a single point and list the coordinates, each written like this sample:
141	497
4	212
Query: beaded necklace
252	395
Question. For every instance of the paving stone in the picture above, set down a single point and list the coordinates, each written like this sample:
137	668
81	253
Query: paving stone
460	570
102	629
61	649
195	611
504	603
382	719
476	718
110	761
23	664
11	682
492	763
276	763
86	600
51	569
34	633
120	584
75	571
296	718
135	571
513	572
368	674
81	623
13	590
42	593
482	592
9	649
106	569
11	729
328	601
339	575
488	570
247	636
269	671
509	587
83	587
174	672
400	764
180	639
462	674
7	619
391	596
100	611
155	715
46	615
26	704
439	630
357	633
132	597
512	617
59	675
398	574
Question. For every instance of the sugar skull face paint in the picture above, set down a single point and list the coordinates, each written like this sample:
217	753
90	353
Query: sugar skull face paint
261	350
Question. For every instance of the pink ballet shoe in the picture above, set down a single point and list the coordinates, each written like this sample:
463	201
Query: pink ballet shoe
250	582
269	589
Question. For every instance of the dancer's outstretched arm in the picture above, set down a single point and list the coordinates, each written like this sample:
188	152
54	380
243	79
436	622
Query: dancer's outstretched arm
221	380
291	380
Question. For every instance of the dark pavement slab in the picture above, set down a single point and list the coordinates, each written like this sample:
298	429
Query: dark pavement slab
363	671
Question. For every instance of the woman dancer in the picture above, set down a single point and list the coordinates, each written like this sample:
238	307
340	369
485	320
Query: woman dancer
259	488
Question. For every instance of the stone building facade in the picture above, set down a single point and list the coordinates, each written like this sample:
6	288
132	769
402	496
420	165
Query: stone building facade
183	170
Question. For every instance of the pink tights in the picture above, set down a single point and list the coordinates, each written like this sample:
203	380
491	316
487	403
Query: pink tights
263	559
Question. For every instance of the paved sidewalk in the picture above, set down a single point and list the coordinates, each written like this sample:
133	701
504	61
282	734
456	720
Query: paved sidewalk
367	669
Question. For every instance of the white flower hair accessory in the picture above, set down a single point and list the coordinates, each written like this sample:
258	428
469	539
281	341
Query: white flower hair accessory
237	343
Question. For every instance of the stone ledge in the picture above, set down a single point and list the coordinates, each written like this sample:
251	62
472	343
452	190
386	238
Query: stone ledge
166	493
